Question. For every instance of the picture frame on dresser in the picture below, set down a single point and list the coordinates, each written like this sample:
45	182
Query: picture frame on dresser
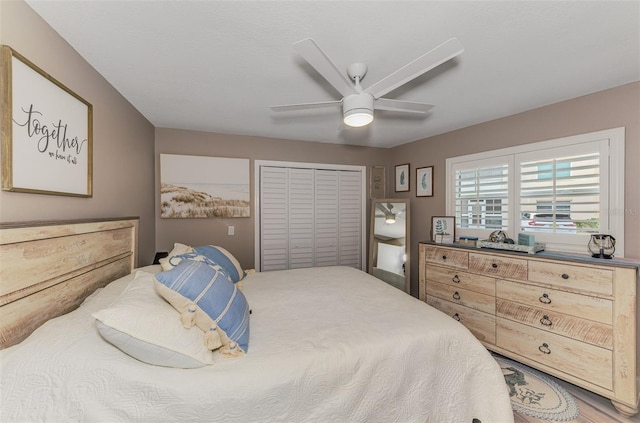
443	229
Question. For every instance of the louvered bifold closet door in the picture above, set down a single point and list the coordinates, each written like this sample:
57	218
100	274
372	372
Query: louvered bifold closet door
350	227
274	218
310	218
301	218
327	217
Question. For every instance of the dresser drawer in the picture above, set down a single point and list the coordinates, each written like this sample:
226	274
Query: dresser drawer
447	257
465	297
466	280
498	266
584	330
584	306
481	325
584	361
580	278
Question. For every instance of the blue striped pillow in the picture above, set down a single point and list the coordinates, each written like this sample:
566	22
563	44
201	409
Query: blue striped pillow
225	259
214	256
207	298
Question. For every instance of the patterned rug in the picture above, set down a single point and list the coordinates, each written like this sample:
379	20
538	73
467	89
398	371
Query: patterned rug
534	394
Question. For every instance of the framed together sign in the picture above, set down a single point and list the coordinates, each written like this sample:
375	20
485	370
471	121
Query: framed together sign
47	132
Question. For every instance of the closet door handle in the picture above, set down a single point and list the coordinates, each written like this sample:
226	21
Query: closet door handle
545	299
456	279
546	321
456	296
544	348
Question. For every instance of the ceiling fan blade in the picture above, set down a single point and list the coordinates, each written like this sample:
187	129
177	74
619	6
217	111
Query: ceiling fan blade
317	58
401	106
303	106
445	51
382	208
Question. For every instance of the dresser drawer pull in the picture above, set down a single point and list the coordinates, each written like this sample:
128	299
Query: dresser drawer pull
456	317
444	257
456	279
565	276
545	320
494	265
544	348
545	299
456	296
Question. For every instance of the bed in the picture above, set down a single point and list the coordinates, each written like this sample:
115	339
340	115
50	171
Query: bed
326	344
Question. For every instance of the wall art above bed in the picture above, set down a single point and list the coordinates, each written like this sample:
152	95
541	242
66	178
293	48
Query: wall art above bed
198	186
46	132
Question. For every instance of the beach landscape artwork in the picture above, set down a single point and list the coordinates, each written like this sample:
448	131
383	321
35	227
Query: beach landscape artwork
203	187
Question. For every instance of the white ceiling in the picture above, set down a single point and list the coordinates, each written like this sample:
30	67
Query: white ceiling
216	66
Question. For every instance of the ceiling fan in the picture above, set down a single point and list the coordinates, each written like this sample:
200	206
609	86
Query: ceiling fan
357	103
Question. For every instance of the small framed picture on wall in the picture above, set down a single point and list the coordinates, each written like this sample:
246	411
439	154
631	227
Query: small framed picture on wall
424	181
443	229
402	177
377	182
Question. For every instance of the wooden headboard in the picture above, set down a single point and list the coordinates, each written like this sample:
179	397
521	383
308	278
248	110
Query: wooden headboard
48	268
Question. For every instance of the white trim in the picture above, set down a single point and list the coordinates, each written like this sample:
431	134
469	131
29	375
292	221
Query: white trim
616	187
257	164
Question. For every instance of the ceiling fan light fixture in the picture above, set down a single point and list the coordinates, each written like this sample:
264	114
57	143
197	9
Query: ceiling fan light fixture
390	218
356	118
357	109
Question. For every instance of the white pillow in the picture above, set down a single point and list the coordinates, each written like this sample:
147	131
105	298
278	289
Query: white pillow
143	325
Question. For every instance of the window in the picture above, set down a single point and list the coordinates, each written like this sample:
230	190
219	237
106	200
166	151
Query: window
561	191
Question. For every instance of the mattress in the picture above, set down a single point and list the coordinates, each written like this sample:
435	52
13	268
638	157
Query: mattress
326	344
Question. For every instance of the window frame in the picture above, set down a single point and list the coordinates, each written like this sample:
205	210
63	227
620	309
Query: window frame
611	147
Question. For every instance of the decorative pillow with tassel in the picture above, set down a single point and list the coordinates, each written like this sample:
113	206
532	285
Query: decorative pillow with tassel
206	297
216	257
225	259
177	250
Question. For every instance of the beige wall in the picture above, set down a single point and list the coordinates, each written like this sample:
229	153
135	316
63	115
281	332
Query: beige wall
603	110
123	166
214	231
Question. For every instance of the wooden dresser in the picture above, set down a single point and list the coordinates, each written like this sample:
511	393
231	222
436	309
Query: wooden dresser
571	317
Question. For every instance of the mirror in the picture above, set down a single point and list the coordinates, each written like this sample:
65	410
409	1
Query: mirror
389	241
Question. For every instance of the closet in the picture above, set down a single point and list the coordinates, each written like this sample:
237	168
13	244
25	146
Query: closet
309	216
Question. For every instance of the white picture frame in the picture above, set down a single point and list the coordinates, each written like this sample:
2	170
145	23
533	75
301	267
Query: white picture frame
443	229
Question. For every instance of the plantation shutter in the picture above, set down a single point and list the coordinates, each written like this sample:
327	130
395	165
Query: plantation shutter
563	184
482	195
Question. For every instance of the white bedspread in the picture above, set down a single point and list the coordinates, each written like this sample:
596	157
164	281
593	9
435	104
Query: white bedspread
327	345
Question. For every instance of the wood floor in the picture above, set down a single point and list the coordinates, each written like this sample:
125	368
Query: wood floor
593	408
